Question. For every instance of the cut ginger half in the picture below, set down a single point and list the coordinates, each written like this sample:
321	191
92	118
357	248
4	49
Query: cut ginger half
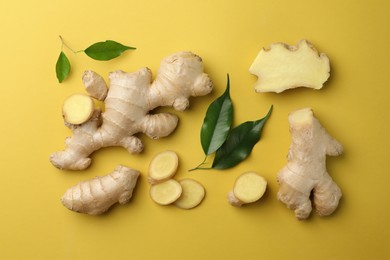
77	109
283	67
163	167
248	188
192	195
166	192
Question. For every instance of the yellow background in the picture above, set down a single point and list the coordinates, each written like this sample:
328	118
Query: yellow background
353	106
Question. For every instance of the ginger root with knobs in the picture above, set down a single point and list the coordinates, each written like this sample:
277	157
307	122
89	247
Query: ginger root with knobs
128	101
97	195
305	174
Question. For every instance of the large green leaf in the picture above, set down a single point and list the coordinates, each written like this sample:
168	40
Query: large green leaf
106	50
239	143
62	67
217	122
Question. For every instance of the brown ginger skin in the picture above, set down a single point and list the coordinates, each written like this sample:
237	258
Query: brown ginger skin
129	99
305	173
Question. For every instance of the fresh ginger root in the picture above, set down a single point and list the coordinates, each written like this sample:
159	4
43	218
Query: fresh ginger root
305	173
165	193
77	109
284	67
192	194
97	195
248	188
129	99
163	167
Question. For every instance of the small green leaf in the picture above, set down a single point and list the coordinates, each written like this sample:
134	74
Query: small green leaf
106	50
217	122
239	143
62	67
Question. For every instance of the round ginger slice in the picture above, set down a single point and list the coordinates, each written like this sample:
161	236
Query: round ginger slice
192	195
163	167
77	109
166	192
249	187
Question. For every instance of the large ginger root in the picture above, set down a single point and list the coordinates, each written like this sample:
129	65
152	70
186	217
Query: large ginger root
96	196
129	99
284	67
305	173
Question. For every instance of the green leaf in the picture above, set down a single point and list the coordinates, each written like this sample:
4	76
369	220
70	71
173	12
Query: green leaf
217	122
106	50
62	67
240	143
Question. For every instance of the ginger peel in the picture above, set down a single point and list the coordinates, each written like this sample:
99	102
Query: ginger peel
305	174
97	195
129	99
283	67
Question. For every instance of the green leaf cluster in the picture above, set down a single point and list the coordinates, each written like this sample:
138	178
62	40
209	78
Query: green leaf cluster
230	145
101	51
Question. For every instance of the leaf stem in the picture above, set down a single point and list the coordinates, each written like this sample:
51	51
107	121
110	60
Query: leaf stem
199	166
67	46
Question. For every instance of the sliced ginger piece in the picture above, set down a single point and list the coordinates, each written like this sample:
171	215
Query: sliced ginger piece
192	195
248	188
284	67
166	192
163	167
77	109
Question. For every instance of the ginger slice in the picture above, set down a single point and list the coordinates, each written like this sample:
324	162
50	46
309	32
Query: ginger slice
163	167
166	192
192	195
248	188
77	109
284	67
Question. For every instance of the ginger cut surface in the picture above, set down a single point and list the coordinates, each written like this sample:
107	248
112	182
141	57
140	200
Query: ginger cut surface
305	174
283	67
192	194
77	109
166	192
248	188
97	195
163	167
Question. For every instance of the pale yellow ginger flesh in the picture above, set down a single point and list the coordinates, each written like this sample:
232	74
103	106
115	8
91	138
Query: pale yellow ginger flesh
305	174
248	188
163	166
283	67
97	195
77	109
165	193
130	98
192	194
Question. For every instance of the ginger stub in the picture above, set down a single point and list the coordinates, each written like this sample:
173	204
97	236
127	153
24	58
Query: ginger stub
77	109
248	188
163	167
192	195
166	192
283	67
